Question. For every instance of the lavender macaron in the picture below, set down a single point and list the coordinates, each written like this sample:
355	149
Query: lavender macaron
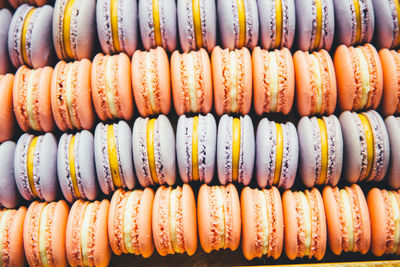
393	128
9	196
387	20
5	20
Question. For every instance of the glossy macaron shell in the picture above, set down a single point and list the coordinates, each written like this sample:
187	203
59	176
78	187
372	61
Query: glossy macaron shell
6	111
393	127
5	20
390	60
9	196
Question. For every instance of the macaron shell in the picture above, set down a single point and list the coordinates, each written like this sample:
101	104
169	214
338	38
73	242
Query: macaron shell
58	233
62	168
332	220
125	153
248	147
86	163
146	244
9	196
345	77
393	128
5	20
189	219
338	142
390	100
139	150
365	220
162	235
320	253
16	241
167	149
385	30
102	251
376	206
290	222
6	103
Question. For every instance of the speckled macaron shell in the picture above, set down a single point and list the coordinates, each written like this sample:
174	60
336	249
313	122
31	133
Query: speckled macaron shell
6	107
386	23
9	196
128	30
393	128
39	48
206	147
228	20
168	27
390	100
5	20
82	29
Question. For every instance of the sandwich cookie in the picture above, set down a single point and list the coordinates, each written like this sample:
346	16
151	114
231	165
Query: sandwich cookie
235	149
73	29
366	146
151	81
153	144
238	23
9	196
75	166
390	60
387	19
232	80
196	142
315	83
347	218
113	156
11	237
393	129
7	116
31	99
359	77
321	150
262	223
218	217
191	82
315	24
174	220
112	86
157	22
86	234
355	21
277	152
29	37
71	97
35	167
16	3
117	26
5	21
129	222
273	81
305	225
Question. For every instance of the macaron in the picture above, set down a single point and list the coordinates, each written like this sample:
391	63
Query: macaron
44	233
7	116
29	37
384	212
305	225
86	234
273	80
393	129
315	83
16	3
196	142
232	80
153	144
355	21
157	22
174	220
235	149
112	86
11	237
262	223
5	21
75	166
71	98
73	29
387	19
238	23
366	146
277	29
9	196
35	167
359	77
117	26
151	81
129	222
218	217
197	24
390	60
321	150
277	153
348	219
191	79
315	24
31	99
113	156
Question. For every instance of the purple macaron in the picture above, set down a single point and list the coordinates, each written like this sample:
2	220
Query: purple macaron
5	20
35	167
113	156
9	196
75	166
387	19
29	37
393	128
275	139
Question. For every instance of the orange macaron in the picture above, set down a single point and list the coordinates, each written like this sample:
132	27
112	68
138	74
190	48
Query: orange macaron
390	60
6	107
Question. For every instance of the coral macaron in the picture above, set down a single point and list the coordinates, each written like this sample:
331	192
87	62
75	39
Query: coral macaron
7	116
390	60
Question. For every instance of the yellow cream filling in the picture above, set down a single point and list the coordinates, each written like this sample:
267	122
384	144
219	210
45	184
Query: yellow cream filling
242	22
264	221
150	149
221	215
318	34
365	83
348	218
29	100
307	221
173	207
397	3
31	155
149	79
67	28
109	86
370	143
128	221
191	83
4	218
198	35
279	152
23	35
156	23
195	160
85	233
112	156
316	73
274	79
324	151
235	147
71	159
396	218
114	24
42	237
233	80
278	14
68	94
358	18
